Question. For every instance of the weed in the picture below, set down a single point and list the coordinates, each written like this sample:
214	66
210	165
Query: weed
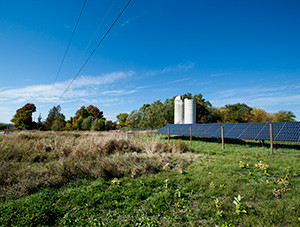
238	205
90	178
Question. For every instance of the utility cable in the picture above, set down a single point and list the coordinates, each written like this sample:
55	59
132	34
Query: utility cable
94	50
64	57
111	6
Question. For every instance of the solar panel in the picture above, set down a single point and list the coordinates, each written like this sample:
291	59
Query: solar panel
199	129
290	131
251	131
237	131
282	131
227	128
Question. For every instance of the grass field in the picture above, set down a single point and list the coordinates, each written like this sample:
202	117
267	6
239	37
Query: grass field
84	178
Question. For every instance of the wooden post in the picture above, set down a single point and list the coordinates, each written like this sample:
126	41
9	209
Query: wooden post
271	138
223	141
191	137
168	134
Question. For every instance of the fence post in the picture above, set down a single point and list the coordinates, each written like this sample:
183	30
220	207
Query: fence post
222	133
271	138
168	134
191	137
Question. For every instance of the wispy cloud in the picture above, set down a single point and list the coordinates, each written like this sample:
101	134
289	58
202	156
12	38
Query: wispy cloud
142	87
276	97
48	93
118	92
220	74
167	89
180	80
177	68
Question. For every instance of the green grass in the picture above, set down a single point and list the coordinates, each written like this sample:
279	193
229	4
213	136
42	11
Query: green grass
199	192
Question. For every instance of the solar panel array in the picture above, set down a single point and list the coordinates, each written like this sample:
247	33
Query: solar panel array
282	131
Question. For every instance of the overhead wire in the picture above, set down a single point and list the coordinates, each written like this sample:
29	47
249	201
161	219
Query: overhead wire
91	54
67	49
111	6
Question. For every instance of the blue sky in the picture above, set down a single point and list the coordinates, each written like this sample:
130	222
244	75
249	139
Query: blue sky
229	51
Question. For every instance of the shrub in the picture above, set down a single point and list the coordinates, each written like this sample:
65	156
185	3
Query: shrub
35	160
98	125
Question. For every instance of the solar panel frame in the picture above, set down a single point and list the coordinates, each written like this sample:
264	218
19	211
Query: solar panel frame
282	131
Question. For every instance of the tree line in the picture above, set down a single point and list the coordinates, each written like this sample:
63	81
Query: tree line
86	118
159	114
149	116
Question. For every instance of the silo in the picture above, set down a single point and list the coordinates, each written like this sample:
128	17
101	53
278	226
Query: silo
178	110
189	111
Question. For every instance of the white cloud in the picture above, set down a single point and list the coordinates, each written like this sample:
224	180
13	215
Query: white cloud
220	74
273	98
178	68
180	80
49	93
142	87
118	92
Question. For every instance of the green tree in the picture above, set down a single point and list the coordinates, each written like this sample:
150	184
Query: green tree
168	107
238	113
68	126
214	116
133	119
260	115
153	116
122	117
51	116
78	123
94	112
87	123
59	122
83	113
187	96
109	125
23	117
284	116
98	125
202	108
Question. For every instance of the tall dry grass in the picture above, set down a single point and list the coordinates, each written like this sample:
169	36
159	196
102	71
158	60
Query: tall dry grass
30	161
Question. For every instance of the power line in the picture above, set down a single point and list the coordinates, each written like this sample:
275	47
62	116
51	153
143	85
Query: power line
111	6
63	60
94	50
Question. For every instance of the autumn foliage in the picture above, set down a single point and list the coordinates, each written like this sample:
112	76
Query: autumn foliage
23	117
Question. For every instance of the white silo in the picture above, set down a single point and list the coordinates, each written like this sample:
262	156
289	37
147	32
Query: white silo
189	111
178	110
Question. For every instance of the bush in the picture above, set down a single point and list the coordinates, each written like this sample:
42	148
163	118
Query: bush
122	146
35	160
87	123
98	125
2	126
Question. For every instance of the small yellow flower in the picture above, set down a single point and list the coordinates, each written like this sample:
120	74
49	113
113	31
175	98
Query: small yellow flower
115	181
212	185
222	186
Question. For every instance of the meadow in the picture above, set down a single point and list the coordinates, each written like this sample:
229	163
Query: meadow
116	179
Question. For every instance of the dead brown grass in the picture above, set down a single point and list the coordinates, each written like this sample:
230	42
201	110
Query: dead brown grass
33	160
